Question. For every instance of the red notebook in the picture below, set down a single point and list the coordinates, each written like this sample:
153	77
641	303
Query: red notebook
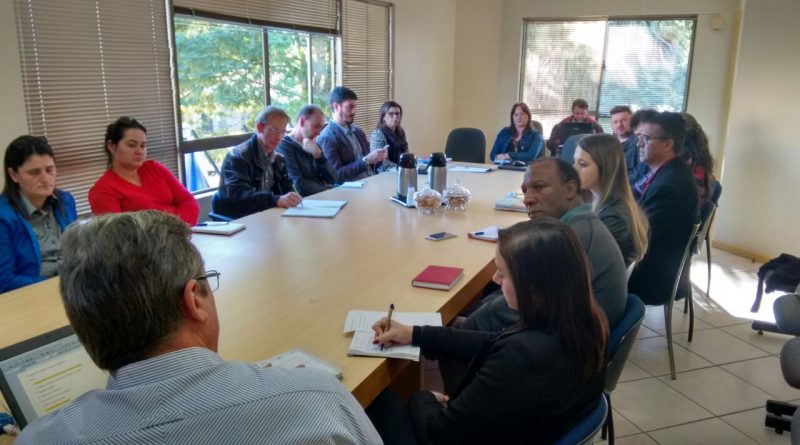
438	277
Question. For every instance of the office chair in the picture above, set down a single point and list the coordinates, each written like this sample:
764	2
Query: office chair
784	416
586	430
570	145
466	145
620	343
706	219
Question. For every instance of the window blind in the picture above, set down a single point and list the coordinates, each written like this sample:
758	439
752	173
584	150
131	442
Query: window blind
562	61
86	63
367	56
307	15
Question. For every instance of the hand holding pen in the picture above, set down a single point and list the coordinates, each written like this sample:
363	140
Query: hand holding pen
392	332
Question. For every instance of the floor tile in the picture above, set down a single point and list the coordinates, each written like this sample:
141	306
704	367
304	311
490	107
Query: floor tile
654	320
651	354
765	374
638	439
768	341
645	332
650	404
751	423
633	372
727	264
622	426
719	347
717	315
717	390
711	431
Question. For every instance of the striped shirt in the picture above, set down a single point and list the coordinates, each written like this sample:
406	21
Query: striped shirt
193	396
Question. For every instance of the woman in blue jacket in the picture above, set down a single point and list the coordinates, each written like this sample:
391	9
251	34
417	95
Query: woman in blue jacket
520	141
33	214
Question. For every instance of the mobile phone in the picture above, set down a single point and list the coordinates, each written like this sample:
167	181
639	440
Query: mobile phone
440	236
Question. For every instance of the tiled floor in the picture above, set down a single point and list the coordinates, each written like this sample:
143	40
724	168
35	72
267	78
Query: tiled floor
725	374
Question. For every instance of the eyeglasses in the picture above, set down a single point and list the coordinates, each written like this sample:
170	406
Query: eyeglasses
212	277
646	138
274	130
394	113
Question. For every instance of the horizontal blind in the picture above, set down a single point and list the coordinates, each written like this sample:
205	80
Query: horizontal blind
562	61
311	15
366	56
86	63
647	64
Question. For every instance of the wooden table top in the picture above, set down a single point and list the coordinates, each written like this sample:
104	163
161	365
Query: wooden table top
289	282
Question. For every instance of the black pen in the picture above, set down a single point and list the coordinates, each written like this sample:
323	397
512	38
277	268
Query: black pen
388	320
213	223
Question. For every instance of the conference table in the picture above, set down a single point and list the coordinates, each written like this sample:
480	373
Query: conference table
289	282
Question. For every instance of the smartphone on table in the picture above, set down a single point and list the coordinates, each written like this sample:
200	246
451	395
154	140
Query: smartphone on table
438	236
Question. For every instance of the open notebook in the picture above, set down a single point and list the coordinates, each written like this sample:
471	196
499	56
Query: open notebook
316	208
360	323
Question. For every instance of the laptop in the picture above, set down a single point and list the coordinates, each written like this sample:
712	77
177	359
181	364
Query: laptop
44	373
568	129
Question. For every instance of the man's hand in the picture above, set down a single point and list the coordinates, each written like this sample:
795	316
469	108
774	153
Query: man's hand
441	398
290	199
311	147
376	156
502	157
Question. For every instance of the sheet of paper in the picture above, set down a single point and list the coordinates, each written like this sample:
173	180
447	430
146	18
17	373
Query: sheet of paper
323	203
462	169
362	345
353	185
363	320
299	358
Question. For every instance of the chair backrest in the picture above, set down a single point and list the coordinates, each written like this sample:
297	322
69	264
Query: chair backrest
570	145
690	242
787	313
790	362
716	192
629	270
620	342
466	145
706	216
585	431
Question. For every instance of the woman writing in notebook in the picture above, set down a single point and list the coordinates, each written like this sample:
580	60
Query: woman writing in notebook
529	384
33	214
600	162
520	141
131	183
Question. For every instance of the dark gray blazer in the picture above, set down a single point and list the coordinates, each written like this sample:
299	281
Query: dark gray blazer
309	175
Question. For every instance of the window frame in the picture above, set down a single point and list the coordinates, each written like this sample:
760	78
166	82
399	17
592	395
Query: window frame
594	109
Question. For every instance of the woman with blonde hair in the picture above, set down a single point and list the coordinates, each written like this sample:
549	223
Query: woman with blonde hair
600	163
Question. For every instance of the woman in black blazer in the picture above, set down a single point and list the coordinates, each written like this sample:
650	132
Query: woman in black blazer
529	384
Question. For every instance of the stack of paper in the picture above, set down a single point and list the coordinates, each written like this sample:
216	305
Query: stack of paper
485	234
298	358
218	228
512	202
353	185
360	323
316	208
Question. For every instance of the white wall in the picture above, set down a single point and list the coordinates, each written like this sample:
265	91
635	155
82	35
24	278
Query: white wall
489	38
424	46
12	104
759	206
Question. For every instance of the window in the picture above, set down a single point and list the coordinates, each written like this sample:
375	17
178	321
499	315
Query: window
643	63
222	82
85	64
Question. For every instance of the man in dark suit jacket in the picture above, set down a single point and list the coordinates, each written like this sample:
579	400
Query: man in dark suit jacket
253	176
309	170
669	197
344	144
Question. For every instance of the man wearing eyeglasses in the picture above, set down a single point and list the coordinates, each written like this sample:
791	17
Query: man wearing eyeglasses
136	292
668	194
253	176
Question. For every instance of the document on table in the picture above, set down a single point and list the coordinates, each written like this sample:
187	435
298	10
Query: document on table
316	208
362	345
462	169
353	185
298	358
363	320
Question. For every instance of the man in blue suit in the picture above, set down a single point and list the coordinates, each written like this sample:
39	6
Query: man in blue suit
344	144
668	194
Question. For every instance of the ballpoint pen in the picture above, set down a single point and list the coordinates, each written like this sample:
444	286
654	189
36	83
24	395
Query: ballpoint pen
213	223
389	320
294	188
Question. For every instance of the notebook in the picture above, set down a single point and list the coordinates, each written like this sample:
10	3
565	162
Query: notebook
298	358
485	234
462	169
438	277
512	202
218	228
360	323
44	373
316	208
353	185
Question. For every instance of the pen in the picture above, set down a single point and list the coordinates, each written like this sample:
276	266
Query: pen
389	319
478	233
294	187
213	223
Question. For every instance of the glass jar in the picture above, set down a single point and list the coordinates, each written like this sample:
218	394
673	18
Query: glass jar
456	197
428	201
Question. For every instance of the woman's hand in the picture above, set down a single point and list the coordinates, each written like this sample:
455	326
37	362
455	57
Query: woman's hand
395	333
441	398
502	157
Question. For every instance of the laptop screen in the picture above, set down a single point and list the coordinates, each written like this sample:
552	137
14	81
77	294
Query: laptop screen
44	373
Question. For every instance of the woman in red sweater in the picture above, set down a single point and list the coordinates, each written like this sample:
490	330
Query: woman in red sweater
132	183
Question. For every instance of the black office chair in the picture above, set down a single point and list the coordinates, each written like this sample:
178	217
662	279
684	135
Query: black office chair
466	145
620	343
570	145
706	219
784	416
